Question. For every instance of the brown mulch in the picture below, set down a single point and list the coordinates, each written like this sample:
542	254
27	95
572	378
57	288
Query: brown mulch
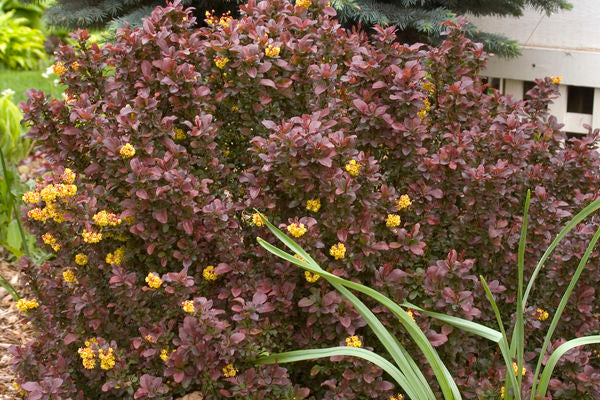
13	330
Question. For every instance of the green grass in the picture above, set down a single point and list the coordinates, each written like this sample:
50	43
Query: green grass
21	81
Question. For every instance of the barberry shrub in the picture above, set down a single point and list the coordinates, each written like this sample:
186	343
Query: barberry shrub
393	165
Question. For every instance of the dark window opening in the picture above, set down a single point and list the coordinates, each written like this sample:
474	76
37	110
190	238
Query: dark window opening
575	135
527	86
494	83
580	99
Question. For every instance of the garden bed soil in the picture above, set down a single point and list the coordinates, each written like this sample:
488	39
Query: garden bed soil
12	330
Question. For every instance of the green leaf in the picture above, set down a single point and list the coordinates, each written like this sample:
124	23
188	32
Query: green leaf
504	347
13	236
312	354
555	357
561	307
463	324
443	376
517	343
592	207
417	384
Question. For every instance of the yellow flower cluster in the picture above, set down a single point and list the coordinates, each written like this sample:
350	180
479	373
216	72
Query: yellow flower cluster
542	314
221	62
127	151
396	397
69	276
19	389
403	202
153	280
296	230
31	197
353	341
68	176
49	193
224	21
107	358
257	220
338	251
75	66
164	354
426	107
353	167
392	220
81	259
229	371
303	3
63	191
48	238
556	80
516	369
150	338
91	237
37	214
59	69
27	304
66	190
51	241
104	218
188	306
115	258
209	273
310	277
179	134
502	392
313	205
87	357
129	220
272	51
429	86
411	314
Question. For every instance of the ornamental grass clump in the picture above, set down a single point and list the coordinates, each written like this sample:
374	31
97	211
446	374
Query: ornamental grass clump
404	371
321	129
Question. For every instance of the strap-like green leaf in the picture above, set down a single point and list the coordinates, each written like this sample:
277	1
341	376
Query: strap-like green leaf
557	354
463	324
312	354
592	207
443	376
504	347
561	307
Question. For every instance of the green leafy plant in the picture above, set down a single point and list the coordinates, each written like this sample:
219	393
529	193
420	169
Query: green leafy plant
405	371
21	47
31	12
11	231
12	135
13	149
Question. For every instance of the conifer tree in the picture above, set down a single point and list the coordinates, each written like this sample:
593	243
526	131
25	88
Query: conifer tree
417	20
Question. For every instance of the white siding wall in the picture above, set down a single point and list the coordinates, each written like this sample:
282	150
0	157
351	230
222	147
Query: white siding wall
565	44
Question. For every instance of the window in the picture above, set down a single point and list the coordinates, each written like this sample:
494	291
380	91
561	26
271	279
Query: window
495	83
580	99
527	86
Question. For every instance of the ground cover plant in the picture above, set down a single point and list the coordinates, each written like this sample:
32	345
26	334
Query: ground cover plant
389	164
